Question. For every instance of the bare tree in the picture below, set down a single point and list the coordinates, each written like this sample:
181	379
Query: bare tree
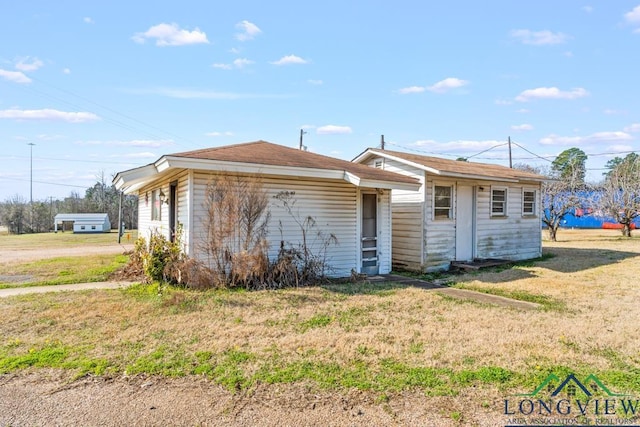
620	193
561	195
236	226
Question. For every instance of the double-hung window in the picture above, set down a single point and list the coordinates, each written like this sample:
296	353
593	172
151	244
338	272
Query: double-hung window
528	202
498	201
442	205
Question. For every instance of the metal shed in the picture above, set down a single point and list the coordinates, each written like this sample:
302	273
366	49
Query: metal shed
83	222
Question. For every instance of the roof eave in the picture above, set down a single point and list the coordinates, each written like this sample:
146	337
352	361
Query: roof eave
131	180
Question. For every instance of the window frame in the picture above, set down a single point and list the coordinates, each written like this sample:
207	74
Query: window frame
505	202
449	216
534	202
156	205
379	163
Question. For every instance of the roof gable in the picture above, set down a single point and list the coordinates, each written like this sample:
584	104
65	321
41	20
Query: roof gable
454	168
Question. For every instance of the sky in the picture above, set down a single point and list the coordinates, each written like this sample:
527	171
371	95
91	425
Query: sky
102	87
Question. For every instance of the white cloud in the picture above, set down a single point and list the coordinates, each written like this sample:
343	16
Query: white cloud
503	102
633	128
523	111
587	8
49	114
237	63
411	89
14	76
219	133
447	84
598	137
539	38
290	59
568	54
88	20
633	16
171	35
333	130
315	82
522	127
242	62
551	93
28	64
222	66
66	71
248	31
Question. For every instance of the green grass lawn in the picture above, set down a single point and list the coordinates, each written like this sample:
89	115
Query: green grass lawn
66	239
60	271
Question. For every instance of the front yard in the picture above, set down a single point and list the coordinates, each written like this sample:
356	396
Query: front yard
383	339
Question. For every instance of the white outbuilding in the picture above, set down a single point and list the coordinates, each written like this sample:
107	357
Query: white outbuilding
82	222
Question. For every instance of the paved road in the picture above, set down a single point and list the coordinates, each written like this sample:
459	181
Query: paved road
9	292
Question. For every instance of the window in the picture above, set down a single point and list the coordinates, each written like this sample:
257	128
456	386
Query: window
82	227
498	201
442	202
93	227
378	163
156	206
528	202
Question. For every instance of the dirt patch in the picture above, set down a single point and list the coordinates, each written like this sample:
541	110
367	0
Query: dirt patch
49	398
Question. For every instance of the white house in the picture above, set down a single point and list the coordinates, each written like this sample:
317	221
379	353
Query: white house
462	210
350	200
83	222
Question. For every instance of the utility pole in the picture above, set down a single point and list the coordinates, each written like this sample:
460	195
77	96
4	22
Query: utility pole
302	132
510	161
382	142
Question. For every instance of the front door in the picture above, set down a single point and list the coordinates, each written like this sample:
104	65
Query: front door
370	234
172	210
465	230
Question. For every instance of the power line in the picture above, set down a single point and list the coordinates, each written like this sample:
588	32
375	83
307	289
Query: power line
43	182
488	149
70	160
530	152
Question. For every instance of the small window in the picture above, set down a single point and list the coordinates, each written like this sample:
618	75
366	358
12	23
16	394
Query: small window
528	202
378	163
82	227
156	206
498	202
442	208
93	227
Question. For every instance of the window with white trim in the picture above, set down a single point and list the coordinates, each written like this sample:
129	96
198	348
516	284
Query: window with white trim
378	163
528	202
498	201
442	206
156	206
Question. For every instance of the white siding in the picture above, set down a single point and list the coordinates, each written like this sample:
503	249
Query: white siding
514	237
332	204
407	217
145	225
439	235
384	231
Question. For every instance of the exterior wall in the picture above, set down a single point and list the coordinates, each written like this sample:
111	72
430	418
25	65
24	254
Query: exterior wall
420	242
407	217
333	205
146	225
439	235
515	237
